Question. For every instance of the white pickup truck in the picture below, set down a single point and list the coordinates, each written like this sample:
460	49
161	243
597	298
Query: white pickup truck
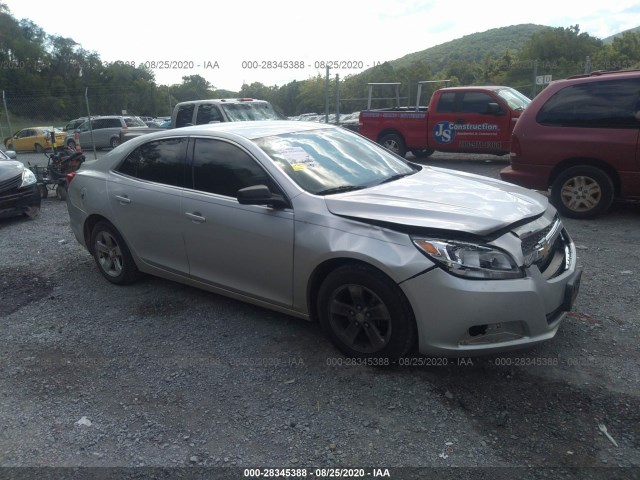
199	112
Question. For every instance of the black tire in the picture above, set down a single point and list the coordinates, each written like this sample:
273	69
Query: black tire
61	192
582	192
9	146
114	142
365	314
32	211
112	255
44	191
394	143
422	152
71	144
38	148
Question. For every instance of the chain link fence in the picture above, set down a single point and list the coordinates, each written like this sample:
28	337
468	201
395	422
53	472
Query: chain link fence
19	111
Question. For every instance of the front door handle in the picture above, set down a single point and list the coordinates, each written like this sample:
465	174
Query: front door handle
196	217
123	200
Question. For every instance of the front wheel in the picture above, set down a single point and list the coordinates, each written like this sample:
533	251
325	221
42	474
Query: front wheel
32	211
365	313
394	143
112	255
582	192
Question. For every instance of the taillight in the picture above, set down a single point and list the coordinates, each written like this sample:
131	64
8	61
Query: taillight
516	150
70	176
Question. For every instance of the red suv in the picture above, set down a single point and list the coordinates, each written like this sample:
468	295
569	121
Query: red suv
579	136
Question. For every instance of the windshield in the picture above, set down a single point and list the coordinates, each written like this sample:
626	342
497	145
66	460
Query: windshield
328	161
245	112
515	99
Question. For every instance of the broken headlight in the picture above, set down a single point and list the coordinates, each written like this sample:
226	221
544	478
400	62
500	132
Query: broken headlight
470	260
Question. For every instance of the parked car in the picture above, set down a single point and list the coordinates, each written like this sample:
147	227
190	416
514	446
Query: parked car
318	222
579	137
19	193
74	124
34	138
106	131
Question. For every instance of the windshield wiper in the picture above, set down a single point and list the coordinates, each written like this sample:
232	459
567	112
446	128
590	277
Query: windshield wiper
340	189
395	177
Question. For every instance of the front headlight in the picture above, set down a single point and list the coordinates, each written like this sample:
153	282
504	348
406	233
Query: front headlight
28	178
470	260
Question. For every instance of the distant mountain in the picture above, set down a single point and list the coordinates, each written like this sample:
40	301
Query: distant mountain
473	48
610	39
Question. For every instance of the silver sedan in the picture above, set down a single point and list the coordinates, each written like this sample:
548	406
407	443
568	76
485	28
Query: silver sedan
318	222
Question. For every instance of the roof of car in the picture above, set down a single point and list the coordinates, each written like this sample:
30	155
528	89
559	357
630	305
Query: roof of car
255	129
606	74
224	100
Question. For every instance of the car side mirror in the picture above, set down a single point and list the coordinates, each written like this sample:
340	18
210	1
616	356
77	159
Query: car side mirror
494	109
11	154
260	195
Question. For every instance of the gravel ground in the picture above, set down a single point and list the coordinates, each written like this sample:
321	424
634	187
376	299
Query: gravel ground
162	375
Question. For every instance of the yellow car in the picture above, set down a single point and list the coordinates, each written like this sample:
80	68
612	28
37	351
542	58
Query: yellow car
34	138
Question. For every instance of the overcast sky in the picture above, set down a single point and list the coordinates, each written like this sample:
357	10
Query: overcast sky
200	33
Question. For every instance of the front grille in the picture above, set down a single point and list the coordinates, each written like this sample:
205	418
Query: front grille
11	183
548	249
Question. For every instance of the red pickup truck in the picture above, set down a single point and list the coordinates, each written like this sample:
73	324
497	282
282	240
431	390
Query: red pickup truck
458	119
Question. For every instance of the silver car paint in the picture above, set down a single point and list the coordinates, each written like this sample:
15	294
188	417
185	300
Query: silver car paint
439	199
317	229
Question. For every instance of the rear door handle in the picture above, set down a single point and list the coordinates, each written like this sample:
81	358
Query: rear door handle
196	217
123	200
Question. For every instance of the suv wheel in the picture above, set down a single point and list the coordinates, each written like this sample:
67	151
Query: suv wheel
114	142
71	144
582	192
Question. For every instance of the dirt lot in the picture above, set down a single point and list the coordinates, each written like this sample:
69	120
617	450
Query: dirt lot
162	375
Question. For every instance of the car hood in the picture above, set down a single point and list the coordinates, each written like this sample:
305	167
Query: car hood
442	199
10	169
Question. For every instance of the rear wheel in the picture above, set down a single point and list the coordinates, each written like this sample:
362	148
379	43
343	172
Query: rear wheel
422	152
114	142
366	314
44	191
582	192
394	143
112	255
71	144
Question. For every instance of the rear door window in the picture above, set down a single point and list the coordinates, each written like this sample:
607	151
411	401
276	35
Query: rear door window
605	104
162	161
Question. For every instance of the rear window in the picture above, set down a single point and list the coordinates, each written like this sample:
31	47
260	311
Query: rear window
603	104
241	112
134	122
